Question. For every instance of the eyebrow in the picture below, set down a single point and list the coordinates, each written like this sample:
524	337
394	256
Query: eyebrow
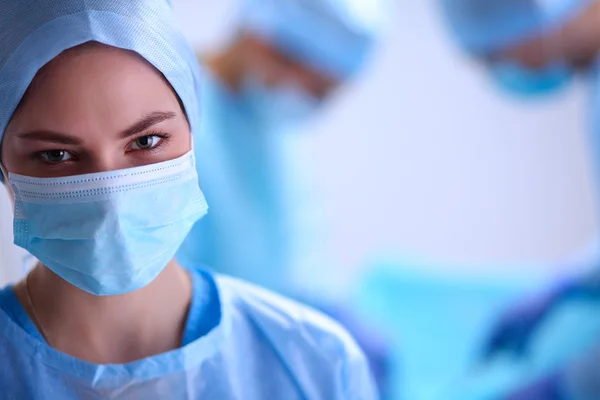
49	136
63	138
147	122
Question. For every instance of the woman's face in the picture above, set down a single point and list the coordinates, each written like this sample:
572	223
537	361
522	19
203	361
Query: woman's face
95	108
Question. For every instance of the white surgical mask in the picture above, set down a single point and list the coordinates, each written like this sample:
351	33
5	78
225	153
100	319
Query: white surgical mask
113	232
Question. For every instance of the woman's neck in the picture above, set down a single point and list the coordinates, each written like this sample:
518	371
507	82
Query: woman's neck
111	329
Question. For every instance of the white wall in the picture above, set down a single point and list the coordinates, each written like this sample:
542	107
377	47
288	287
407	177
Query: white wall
427	157
422	155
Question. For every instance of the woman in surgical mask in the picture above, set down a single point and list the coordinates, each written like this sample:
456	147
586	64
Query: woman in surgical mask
99	108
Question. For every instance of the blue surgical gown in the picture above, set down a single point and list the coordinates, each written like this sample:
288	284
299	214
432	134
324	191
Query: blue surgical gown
260	225
260	346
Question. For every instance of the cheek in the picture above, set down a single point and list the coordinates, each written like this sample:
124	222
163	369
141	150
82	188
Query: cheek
180	143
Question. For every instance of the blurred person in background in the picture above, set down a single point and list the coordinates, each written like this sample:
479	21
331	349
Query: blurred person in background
286	60
533	48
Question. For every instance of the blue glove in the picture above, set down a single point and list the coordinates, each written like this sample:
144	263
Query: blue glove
549	388
516	328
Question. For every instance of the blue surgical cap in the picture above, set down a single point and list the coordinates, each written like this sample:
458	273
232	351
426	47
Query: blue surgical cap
483	26
334	36
36	31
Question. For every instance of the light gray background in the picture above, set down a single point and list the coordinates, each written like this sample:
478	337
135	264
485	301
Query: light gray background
421	155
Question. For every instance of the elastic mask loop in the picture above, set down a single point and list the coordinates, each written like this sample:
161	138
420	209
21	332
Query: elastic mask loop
4	175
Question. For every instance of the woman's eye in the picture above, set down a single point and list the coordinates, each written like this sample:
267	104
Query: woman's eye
56	156
146	142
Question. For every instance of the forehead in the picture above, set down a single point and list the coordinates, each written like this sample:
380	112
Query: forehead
91	79
80	70
93	62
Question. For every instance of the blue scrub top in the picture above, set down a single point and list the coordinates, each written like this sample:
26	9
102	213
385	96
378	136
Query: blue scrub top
263	347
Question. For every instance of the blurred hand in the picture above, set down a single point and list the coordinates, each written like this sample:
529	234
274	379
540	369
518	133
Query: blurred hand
546	389
516	328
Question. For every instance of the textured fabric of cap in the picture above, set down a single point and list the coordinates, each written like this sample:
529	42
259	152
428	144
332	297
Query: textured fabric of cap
34	32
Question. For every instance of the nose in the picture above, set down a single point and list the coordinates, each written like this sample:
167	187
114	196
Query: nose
104	160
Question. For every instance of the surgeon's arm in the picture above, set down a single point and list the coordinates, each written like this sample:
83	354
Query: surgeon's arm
579	380
550	387
517	326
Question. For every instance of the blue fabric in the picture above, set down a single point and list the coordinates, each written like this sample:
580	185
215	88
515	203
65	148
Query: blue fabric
278	108
463	308
524	82
204	314
37	31
252	230
263	347
376	347
483	26
9	303
548	388
242	171
515	331
334	36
